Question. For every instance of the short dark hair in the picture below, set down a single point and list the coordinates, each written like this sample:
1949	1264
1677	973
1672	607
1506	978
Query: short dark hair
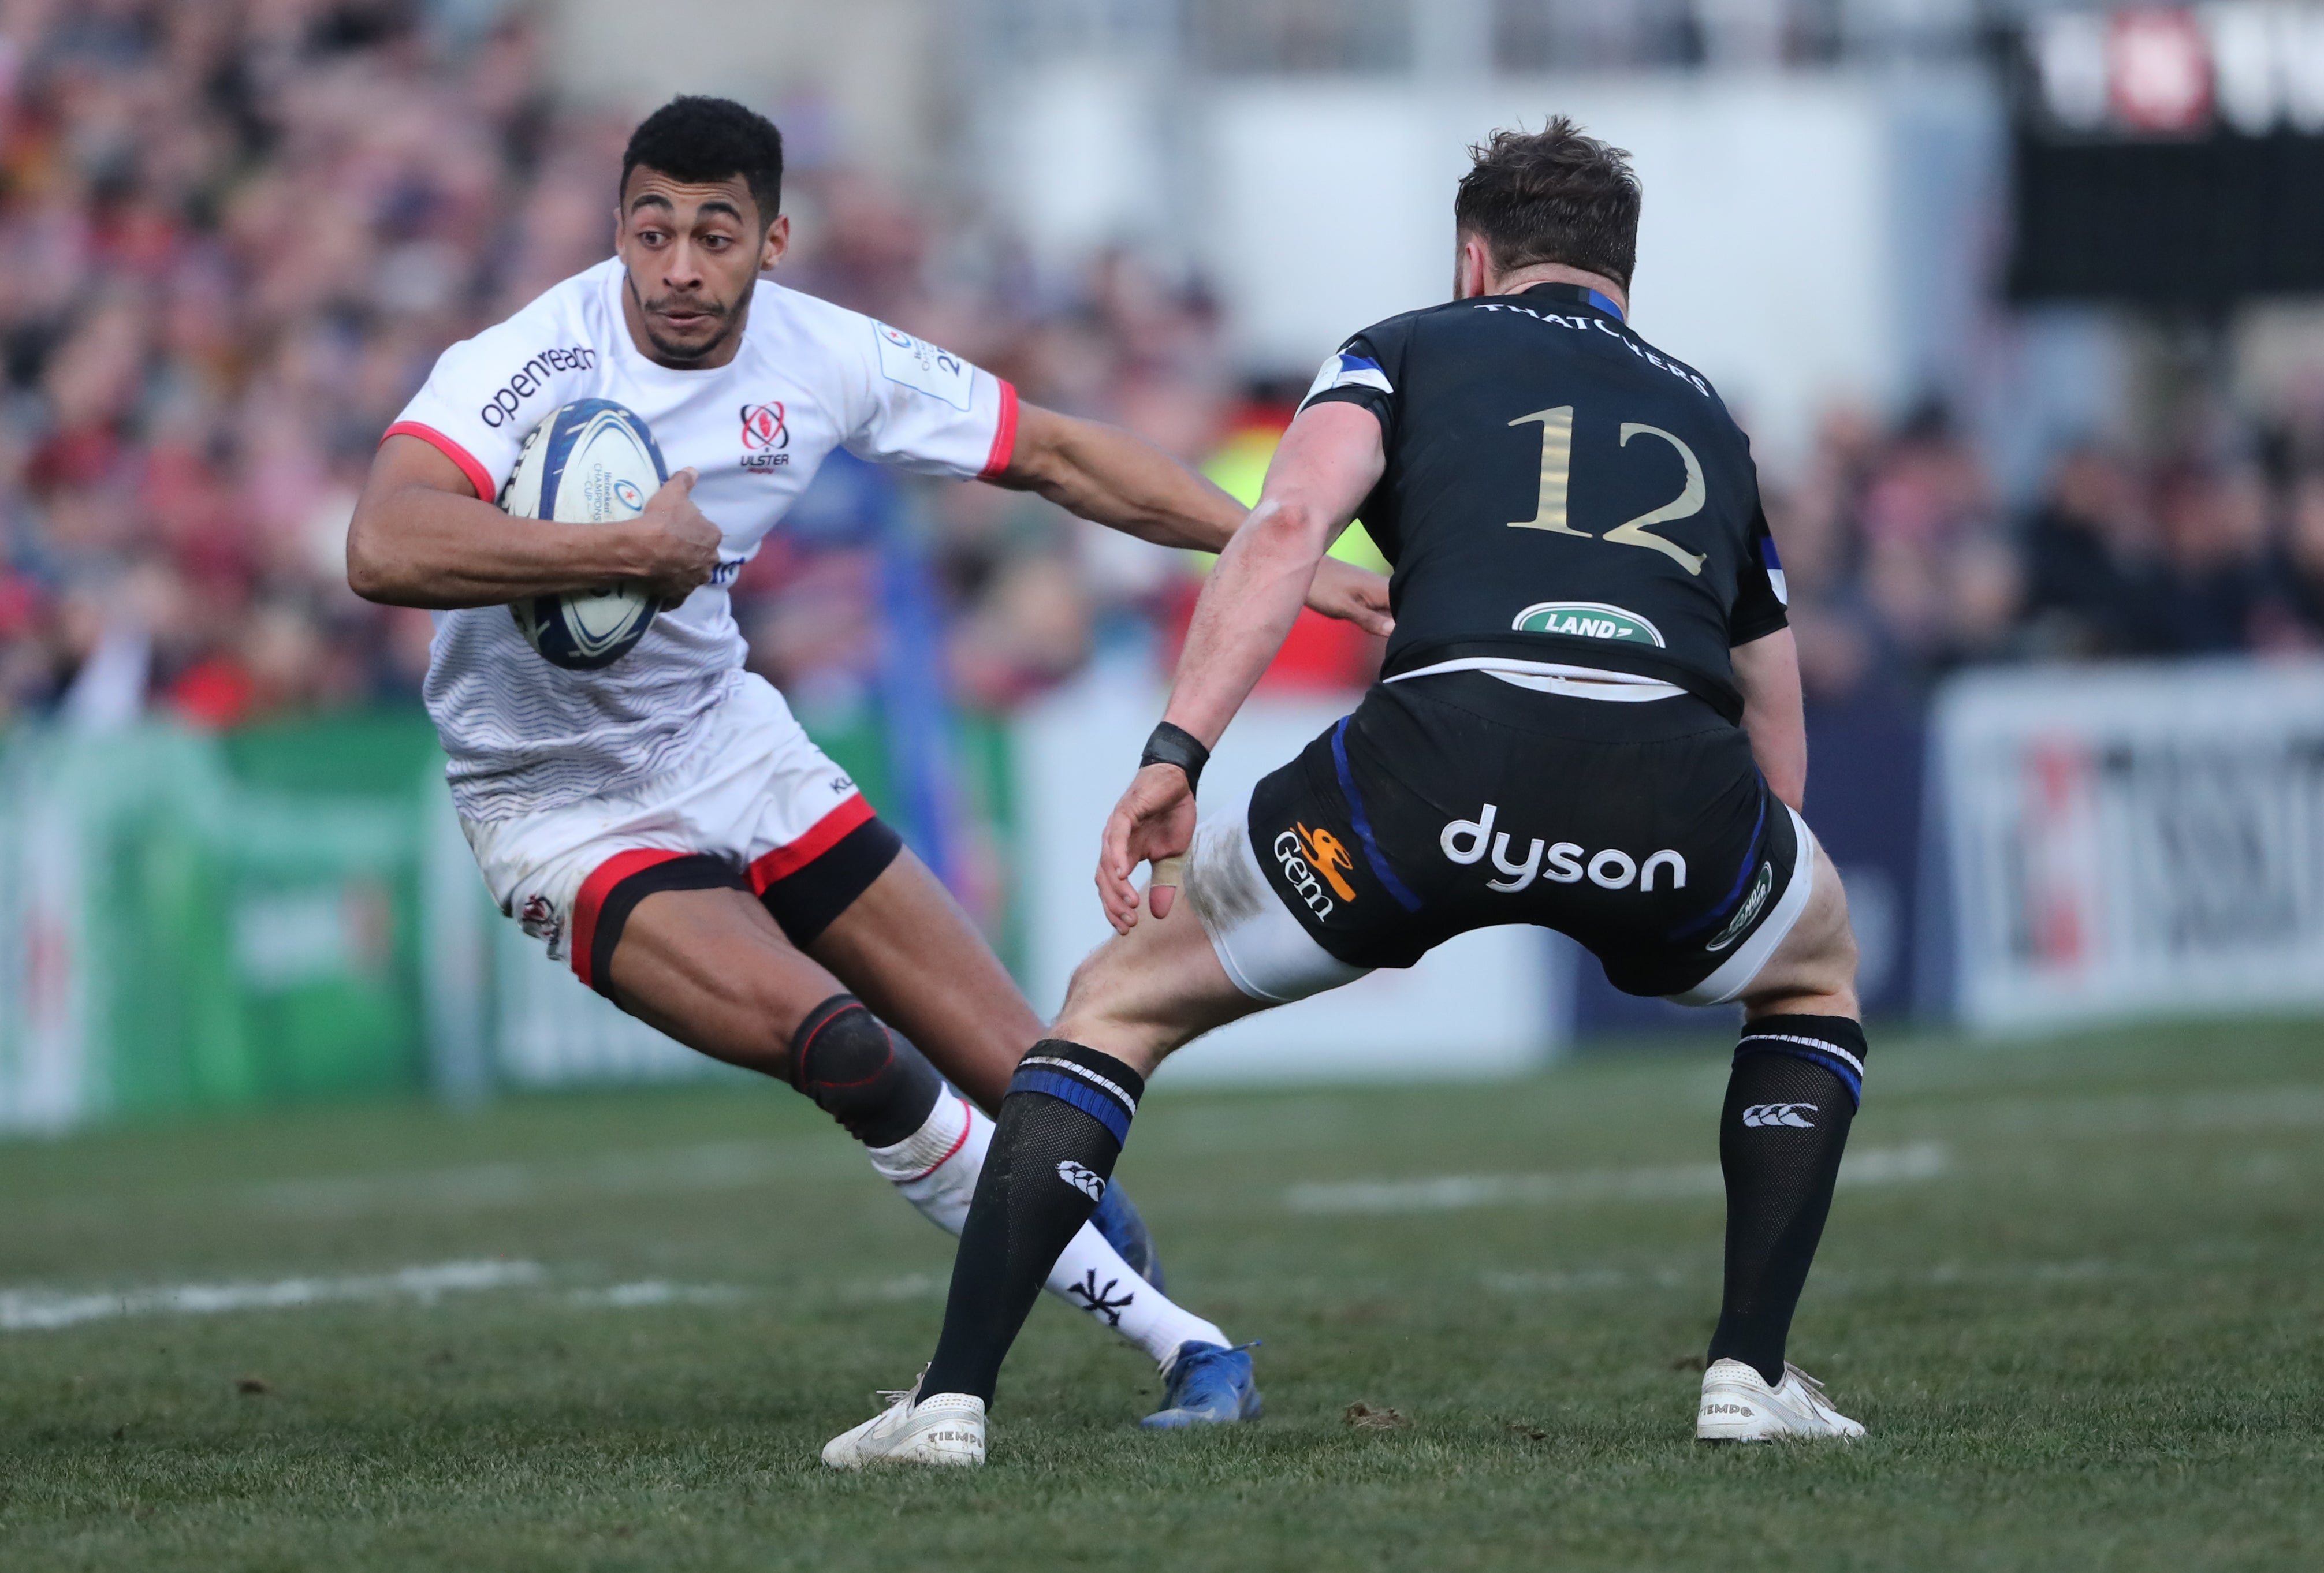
698	140
1551	195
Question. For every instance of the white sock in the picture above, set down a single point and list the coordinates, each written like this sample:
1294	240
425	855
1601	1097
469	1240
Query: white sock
935	1169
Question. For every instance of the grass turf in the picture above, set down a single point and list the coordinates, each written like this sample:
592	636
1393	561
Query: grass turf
2089	1340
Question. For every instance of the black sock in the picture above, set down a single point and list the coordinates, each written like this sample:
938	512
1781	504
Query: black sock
881	1089
1061	1128
1790	1100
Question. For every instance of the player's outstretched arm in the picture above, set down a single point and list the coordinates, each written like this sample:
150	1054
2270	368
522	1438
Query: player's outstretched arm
1110	477
1767	671
421	537
1329	462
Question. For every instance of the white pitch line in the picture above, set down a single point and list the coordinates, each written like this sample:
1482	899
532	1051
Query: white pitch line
672	1171
41	1309
1454	1193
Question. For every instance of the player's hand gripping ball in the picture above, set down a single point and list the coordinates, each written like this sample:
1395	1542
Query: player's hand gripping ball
592	461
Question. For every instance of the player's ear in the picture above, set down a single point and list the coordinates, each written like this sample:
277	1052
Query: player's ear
1471	268
778	242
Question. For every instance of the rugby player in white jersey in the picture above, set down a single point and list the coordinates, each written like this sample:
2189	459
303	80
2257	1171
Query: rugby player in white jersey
663	825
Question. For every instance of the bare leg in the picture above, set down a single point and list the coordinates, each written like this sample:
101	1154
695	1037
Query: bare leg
906	950
1139	997
1144	994
1814	971
712	968
1791	1100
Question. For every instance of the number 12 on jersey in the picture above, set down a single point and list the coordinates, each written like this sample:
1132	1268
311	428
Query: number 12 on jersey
1556	476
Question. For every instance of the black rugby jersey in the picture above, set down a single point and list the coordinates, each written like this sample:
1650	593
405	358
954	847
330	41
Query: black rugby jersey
1557	490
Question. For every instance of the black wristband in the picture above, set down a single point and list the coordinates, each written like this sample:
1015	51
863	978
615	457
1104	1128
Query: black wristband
1175	745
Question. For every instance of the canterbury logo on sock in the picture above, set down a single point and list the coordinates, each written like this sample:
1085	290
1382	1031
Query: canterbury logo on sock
1085	1181
1762	1114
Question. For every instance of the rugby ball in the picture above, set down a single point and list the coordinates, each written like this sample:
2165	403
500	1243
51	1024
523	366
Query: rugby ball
592	461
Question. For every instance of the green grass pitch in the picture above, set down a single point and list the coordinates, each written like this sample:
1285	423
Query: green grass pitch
2077	1295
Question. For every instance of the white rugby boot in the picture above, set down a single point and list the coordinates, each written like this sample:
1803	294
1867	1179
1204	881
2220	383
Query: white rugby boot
946	1428
1738	1406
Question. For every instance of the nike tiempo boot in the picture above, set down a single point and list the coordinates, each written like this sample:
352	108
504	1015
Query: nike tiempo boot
1118	1223
1738	1406
1206	1385
946	1428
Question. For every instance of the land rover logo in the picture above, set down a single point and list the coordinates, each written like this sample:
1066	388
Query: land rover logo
1589	619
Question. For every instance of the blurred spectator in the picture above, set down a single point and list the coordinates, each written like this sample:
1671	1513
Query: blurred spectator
2093	581
2216	539
2302	612
233	234
231	238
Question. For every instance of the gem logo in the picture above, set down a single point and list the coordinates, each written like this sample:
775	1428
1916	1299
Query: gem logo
1327	857
1588	620
1299	872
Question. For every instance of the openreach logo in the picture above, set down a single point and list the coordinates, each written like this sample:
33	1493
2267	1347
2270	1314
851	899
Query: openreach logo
1760	1114
530	378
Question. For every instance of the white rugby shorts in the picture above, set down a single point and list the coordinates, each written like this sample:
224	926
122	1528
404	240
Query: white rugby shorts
754	804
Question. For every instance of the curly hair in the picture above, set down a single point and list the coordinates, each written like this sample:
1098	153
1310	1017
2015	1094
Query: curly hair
1551	195
699	140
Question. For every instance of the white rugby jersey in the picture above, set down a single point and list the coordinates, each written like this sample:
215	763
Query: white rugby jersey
524	735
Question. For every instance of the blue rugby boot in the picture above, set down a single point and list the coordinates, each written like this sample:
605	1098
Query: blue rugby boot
1117	1221
1206	1385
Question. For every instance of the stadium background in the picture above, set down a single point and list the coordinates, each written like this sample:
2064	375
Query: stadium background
2048	476
2020	304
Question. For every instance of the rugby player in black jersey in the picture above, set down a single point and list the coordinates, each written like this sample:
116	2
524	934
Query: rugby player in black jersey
1588	720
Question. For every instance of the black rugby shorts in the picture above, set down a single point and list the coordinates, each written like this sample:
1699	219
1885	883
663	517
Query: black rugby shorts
1456	801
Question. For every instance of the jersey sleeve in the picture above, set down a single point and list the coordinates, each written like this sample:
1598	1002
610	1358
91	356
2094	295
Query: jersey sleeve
1363	371
1761	596
488	392
926	410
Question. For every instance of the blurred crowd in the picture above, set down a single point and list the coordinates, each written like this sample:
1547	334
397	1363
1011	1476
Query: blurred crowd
234	234
1902	562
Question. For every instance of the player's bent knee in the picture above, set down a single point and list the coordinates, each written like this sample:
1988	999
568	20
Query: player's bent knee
842	1057
1105	993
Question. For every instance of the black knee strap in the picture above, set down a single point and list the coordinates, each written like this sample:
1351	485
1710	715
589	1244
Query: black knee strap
1836	1043
858	1073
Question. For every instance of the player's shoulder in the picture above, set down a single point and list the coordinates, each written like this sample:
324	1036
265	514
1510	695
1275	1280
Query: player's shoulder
790	320
1655	355
1389	334
579	302
876	355
553	347
1690	378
